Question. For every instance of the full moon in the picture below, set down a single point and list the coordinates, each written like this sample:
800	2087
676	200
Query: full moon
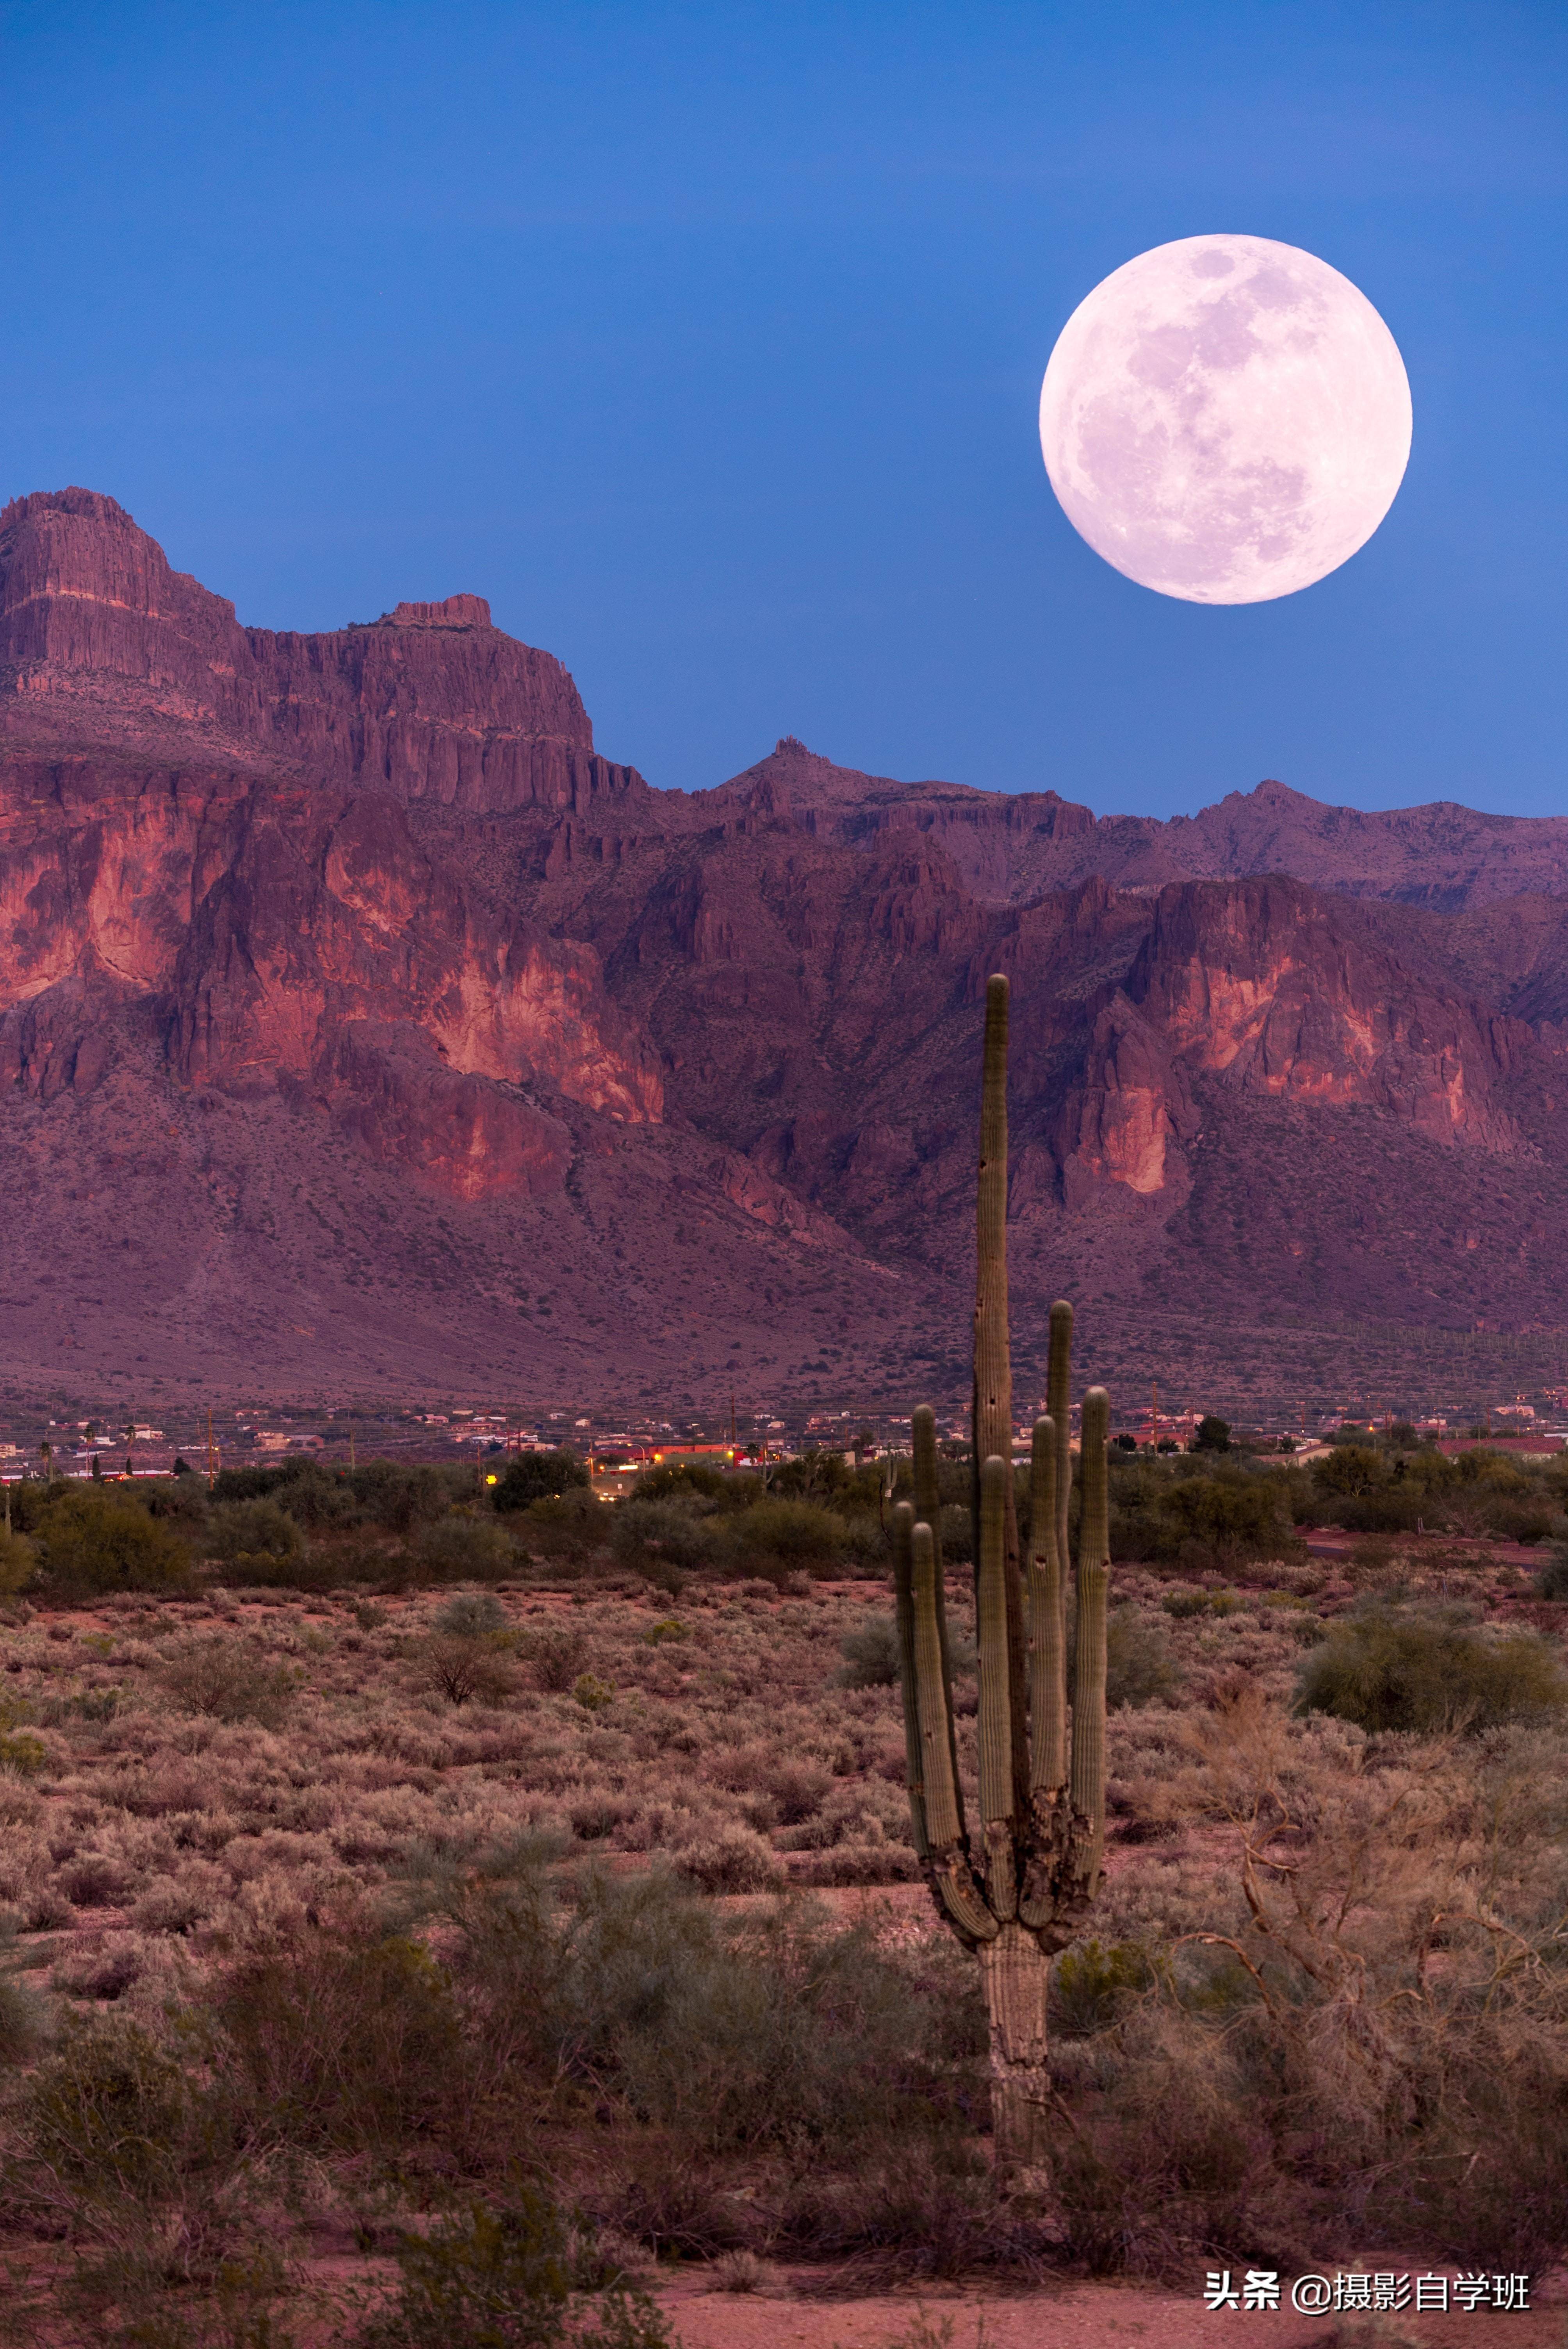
1226	419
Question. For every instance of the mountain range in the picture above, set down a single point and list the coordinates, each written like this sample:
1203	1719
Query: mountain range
364	1032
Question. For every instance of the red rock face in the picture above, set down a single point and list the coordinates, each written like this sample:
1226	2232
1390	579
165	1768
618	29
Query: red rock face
362	1029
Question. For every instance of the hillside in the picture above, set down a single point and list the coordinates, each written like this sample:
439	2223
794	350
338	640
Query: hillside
363	1030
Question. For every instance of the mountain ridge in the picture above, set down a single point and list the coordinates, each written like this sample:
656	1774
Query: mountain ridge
419	1044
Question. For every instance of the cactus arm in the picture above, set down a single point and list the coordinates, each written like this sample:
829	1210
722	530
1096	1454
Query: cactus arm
904	1605
1048	1644
947	1859
928	1512
996	1803
1058	1404
1088	1789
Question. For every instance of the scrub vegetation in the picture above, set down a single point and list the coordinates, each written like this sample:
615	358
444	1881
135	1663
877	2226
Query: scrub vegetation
471	1909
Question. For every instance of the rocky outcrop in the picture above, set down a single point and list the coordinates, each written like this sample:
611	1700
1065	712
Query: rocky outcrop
100	639
354	1009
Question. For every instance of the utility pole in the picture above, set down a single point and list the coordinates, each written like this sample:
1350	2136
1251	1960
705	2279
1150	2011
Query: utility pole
211	1471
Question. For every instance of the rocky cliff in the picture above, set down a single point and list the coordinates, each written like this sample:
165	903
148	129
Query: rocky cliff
363	1029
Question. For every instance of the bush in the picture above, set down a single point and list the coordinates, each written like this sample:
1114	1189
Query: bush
1387	1670
870	1655
247	1534
463	1668
780	2032
1349	1471
18	1562
520	2276
463	1549
1237	1518
662	1541
556	1655
681	1478
91	1543
565	1530
347	2043
1552	1580
472	1615
1090	1985
1138	1661
111	2116
735	1859
538	1477
230	1680
776	1537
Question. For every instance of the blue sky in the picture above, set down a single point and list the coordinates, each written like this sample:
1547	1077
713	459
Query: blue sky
706	342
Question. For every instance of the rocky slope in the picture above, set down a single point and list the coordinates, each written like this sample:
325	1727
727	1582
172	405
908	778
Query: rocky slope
362	1029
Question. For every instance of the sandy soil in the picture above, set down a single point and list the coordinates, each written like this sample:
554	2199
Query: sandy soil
1079	2316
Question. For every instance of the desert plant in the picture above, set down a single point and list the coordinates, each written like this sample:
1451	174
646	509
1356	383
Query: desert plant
462	1548
520	2275
230	1680
463	1667
18	1562
1552	1580
1138	1662
555	1655
94	1542
1021	1893
538	1477
472	1615
870	1654
1386	1669
252	1535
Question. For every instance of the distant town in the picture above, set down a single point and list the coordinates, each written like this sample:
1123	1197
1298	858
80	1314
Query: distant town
110	1445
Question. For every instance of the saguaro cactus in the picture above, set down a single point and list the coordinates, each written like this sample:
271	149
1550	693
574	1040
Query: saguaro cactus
1018	1892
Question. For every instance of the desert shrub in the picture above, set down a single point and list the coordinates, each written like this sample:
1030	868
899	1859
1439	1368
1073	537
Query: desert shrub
565	1530
102	1966
776	1537
735	1858
783	2031
91	1543
111	2118
18	1562
556	1654
1236	1518
252	1534
538	1477
1551	1579
392	1494
464	1669
663	1540
680	1477
1387	1670
514	2275
22	1752
348	2042
472	1615
1350	1469
870	1654
737	2272
1089	1986
231	1679
592	1692
313	1497
460	1548
20	2019
1139	1666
